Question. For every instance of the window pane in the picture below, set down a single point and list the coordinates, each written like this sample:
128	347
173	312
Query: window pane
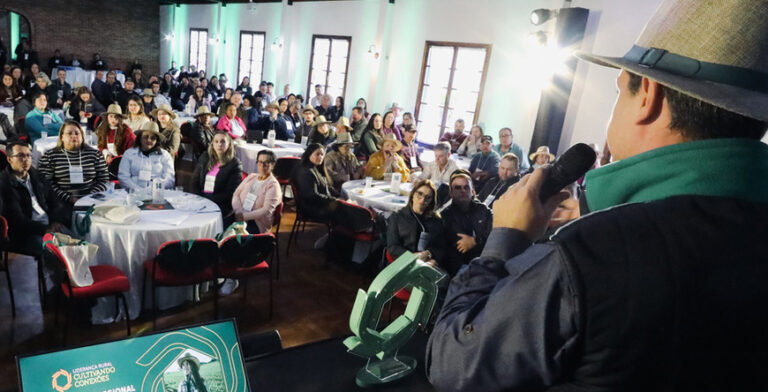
246	41
335	79
338	64
340	48
320	62
322	46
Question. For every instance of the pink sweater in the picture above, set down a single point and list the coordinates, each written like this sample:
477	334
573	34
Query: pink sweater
264	206
225	124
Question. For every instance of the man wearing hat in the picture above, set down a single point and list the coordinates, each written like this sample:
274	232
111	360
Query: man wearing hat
322	132
202	131
342	125
662	286
309	113
341	165
387	160
273	122
485	163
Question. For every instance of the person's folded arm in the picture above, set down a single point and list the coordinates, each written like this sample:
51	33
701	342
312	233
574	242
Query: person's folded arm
506	325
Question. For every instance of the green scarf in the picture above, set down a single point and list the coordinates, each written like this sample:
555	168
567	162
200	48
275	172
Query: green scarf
735	168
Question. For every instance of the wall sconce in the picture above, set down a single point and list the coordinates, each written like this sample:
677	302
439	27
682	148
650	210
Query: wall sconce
214	41
373	52
169	36
277	44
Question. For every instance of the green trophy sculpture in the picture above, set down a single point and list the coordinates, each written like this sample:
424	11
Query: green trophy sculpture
381	347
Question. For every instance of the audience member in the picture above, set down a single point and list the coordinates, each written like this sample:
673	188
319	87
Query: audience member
167	85
497	185
75	62
389	127
269	93
372	135
55	61
180	94
7	131
61	89
121	97
85	107
27	202
100	89
25	56
325	108
358	123
317	99
245	86
146	161
200	98
322	132
541	157
507	144
293	115
439	171
362	104
316	199
338	109
467	223
485	163
340	164
41	119
471	144
30	76
148	101
138	80
202	131
410	151
456	137
417	227
73	168
10	93
171	139
230	122
407	121
136	117
42	85
274	122
97	63
159	98
257	197
113	135
218	174
386	160
309	113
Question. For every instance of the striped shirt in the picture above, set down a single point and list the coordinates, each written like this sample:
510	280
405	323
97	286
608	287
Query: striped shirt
54	166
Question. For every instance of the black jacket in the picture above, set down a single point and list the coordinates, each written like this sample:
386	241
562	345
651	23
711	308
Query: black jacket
201	135
302	131
494	186
18	205
266	124
475	222
177	91
93	106
403	232
315	199
227	180
66	92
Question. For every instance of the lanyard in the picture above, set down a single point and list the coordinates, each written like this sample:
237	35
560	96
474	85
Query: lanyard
418	221
79	154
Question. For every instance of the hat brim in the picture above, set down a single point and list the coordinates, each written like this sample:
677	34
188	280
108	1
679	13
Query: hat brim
533	156
160	137
117	114
735	99
203	114
154	112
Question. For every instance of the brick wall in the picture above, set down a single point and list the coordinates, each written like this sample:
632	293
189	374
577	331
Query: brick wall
120	30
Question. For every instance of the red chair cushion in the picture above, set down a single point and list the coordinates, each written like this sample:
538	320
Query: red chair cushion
233	271
285	181
167	278
402	294
107	280
359	236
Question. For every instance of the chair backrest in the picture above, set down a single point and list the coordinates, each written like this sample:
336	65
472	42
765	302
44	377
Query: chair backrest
246	250
277	215
285	166
186	129
114	167
4	227
243	175
187	257
357	218
55	260
3	160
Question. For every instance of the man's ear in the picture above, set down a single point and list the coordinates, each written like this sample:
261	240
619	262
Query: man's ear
650	102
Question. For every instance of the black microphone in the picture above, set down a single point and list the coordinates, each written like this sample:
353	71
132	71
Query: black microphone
567	169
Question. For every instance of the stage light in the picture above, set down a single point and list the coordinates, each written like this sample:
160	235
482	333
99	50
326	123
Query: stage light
538	38
542	15
167	37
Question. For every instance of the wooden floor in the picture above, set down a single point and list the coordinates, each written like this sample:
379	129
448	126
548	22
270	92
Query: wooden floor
312	301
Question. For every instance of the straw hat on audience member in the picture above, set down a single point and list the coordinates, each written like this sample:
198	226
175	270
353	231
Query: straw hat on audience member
115	109
392	139
151	127
343	122
309	108
321	120
714	51
203	111
542	150
148	93
273	105
343	138
163	108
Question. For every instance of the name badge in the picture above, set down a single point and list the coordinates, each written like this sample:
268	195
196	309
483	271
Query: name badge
210	181
145	174
36	206
46	119
289	125
26	56
413	162
76	175
489	200
249	201
111	148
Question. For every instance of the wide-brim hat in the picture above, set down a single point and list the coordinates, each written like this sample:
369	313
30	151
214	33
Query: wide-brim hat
189	357
390	138
712	50
309	108
163	108
343	138
203	111
151	127
148	93
116	110
542	150
273	106
343	122
321	120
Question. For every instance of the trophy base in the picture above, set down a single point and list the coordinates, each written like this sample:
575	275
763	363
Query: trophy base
385	371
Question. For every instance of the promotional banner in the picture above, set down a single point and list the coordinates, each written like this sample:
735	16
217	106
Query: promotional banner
200	358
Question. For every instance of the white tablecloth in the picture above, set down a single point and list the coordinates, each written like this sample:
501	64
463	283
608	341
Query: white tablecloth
83	77
378	195
247	152
128	246
429	156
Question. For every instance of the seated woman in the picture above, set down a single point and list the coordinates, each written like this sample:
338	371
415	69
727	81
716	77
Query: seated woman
387	160
245	86
230	122
200	98
389	127
223	100
72	168
257	197
417	227
541	157
148	101
217	174
136	117
41	119
322	132
202	131
146	161
341	164
471	143
10	91
114	136
85	108
369	141
274	122
42	84
316	199
168	128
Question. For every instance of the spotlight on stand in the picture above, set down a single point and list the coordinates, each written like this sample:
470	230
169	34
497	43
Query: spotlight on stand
542	15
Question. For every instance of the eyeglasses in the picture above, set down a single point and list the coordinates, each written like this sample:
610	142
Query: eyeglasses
22	156
459	188
422	195
264	162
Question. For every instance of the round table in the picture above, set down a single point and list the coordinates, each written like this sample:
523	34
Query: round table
248	152
378	195
128	246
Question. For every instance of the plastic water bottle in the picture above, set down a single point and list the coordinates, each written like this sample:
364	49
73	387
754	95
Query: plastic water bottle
157	192
271	138
394	185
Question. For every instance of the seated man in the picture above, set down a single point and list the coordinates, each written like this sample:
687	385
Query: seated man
485	163
497	185
439	171
507	145
456	137
30	206
467	223
62	89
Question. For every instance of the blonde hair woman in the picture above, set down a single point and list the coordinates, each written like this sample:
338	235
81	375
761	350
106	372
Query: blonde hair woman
218	173
136	118
114	136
